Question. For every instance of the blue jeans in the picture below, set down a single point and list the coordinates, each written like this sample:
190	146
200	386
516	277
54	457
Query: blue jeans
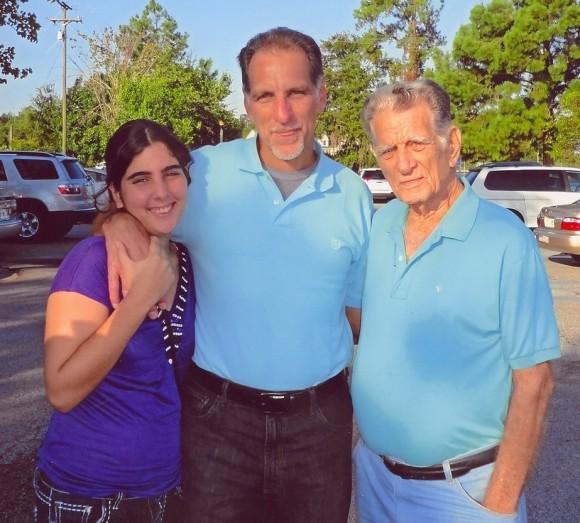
56	506
383	497
243	465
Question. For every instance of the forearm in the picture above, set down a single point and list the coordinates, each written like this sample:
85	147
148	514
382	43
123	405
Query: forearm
520	441
93	359
354	318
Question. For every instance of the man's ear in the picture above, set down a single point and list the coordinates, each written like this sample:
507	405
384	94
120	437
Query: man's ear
454	146
247	106
322	96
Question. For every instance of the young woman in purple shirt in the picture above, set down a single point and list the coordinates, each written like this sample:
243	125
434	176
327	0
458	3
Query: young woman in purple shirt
112	449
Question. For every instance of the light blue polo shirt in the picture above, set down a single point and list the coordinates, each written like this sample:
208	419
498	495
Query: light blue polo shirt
442	332
273	276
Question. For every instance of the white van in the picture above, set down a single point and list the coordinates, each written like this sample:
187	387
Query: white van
525	188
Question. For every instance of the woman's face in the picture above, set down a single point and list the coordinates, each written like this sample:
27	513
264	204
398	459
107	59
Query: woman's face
153	189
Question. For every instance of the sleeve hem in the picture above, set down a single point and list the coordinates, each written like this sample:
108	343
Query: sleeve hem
536	358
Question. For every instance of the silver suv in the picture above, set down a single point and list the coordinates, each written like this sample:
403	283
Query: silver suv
525	187
53	191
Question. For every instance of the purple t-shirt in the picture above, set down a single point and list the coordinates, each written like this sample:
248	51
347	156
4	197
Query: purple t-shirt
124	436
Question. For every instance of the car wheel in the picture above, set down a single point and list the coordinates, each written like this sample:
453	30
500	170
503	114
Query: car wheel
34	223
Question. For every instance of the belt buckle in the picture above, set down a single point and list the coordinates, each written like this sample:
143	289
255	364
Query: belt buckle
271	402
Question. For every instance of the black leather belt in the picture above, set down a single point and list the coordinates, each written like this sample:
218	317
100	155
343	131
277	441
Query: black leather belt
265	400
459	467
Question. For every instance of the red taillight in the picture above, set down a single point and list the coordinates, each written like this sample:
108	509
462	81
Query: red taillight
570	224
69	189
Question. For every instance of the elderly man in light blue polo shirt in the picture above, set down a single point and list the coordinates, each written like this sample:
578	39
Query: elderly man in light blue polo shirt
452	378
278	234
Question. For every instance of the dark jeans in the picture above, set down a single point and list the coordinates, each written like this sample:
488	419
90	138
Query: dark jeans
56	506
243	465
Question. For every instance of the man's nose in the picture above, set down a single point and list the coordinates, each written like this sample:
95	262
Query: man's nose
405	160
283	110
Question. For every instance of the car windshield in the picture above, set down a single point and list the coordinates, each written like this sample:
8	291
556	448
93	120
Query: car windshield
74	170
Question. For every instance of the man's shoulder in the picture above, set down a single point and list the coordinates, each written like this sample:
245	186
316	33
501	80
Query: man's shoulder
501	225
223	149
391	210
344	176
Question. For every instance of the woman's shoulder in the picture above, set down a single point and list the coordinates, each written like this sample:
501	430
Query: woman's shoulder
84	270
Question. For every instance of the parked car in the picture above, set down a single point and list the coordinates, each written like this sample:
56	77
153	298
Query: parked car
525	187
379	187
9	220
559	229
98	179
52	189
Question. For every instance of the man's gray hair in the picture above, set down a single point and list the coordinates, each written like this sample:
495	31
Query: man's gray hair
405	95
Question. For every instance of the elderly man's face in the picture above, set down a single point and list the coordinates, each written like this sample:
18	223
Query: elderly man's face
416	164
283	103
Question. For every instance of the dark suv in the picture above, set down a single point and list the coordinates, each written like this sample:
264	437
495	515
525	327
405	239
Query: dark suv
53	192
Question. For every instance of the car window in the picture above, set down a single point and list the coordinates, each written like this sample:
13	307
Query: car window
2	172
74	170
573	180
36	169
525	180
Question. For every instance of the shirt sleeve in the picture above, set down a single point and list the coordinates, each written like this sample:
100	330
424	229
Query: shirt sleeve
357	272
84	270
528	323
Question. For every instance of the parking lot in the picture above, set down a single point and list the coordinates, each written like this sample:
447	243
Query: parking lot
553	494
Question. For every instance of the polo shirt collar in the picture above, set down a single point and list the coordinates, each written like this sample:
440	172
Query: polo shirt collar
322	178
457	222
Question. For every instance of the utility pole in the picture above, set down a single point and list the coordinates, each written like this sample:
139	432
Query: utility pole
64	21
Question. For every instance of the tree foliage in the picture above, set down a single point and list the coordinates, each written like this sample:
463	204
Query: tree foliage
349	76
138	70
509	75
26	26
410	25
356	63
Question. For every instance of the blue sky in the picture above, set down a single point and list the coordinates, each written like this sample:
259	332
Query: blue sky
217	30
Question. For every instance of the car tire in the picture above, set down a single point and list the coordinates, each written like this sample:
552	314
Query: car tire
34	223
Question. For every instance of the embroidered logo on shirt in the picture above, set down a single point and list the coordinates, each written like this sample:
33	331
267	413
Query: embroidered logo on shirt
336	244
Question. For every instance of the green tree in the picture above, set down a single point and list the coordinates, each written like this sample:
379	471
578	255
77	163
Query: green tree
349	77
37	126
567	144
410	25
508	72
26	26
141	70
155	26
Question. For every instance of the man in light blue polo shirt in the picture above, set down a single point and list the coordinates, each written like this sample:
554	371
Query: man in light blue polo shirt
278	234
452	377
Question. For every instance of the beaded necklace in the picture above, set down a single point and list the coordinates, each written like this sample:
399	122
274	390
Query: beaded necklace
172	323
